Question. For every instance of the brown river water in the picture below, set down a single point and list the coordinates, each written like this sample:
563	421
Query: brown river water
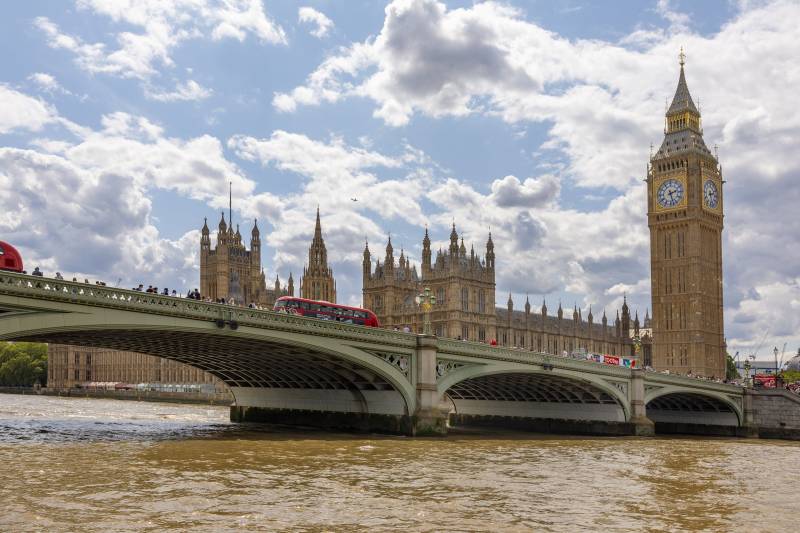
69	464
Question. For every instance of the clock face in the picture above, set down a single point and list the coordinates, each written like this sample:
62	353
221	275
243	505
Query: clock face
710	194
670	193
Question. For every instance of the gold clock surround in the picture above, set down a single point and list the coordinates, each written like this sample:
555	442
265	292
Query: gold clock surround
681	178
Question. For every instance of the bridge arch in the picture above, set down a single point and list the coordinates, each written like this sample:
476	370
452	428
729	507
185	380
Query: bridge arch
269	368
524	391
675	404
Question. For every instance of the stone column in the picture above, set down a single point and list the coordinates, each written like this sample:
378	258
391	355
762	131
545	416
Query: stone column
428	419
642	426
749	428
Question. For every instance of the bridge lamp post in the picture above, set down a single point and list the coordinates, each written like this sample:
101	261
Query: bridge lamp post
747	372
775	353
426	300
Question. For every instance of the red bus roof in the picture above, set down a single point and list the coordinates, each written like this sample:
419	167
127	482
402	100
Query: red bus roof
10	258
295	298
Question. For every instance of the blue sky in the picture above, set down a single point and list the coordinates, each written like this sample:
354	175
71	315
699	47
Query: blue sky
122	122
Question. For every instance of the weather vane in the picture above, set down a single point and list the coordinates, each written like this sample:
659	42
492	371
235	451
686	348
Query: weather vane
682	57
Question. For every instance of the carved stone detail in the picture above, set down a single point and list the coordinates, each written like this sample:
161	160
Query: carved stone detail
445	366
620	386
400	361
736	399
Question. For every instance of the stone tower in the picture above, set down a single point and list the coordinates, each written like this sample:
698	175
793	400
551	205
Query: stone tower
230	271
317	282
684	211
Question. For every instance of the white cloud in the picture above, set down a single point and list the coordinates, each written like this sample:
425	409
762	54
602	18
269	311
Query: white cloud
20	111
106	217
47	83
510	192
600	97
190	90
321	22
679	22
96	191
162	26
334	173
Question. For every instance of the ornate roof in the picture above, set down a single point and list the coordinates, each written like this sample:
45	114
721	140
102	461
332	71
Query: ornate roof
685	139
682	101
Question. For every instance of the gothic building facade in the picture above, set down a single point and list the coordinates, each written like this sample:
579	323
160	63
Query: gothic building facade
230	271
685	217
464	286
317	282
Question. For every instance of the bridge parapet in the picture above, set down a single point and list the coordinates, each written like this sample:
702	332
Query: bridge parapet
449	348
675	380
48	289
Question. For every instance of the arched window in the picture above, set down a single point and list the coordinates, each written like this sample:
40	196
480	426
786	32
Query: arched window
465	299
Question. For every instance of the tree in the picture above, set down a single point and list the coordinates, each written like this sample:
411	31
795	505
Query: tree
23	364
790	376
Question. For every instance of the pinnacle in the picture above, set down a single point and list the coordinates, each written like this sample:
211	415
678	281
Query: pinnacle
682	101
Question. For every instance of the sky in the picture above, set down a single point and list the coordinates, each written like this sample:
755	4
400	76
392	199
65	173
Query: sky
122	123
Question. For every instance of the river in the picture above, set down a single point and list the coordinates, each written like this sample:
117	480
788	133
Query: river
70	464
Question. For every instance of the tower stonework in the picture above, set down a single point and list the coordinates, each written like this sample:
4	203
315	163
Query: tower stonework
317	282
685	217
230	271
465	290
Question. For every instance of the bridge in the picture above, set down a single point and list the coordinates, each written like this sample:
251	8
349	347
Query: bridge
288	369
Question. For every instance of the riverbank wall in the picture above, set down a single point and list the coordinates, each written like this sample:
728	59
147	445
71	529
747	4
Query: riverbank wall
776	413
143	396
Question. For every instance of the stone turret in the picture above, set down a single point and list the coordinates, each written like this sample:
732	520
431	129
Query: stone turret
490	253
222	230
453	241
317	282
205	238
626	315
366	264
388	262
426	255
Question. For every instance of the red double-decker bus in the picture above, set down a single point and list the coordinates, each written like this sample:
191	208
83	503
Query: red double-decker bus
326	311
10	258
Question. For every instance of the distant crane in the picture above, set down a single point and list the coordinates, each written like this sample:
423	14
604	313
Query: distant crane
760	344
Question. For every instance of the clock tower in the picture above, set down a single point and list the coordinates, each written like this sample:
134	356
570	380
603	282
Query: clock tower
684	213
